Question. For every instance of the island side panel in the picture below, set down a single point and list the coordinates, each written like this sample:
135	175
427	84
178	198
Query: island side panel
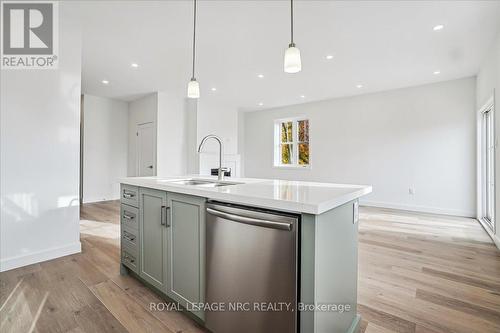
307	235
336	269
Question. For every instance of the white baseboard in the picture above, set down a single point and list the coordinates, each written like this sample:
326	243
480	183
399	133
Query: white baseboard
496	240
490	233
36	257
93	200
420	209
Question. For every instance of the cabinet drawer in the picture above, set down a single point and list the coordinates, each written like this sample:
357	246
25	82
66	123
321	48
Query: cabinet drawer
129	259
129	216
129	238
130	195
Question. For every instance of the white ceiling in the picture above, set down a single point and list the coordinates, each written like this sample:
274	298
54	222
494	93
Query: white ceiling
379	44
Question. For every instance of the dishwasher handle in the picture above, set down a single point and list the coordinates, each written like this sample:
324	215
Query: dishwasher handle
251	220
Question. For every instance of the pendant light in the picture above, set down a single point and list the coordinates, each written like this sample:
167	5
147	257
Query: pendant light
193	85
292	62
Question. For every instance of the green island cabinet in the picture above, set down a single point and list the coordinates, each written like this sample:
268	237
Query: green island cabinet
163	242
163	245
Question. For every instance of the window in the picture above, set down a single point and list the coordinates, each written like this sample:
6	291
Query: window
291	143
488	166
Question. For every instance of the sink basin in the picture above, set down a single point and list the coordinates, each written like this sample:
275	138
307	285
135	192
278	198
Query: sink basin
202	183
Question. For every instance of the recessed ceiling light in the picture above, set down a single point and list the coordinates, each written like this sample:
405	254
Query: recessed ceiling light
438	27
105	82
302	96
260	76
437	72
359	86
260	104
134	65
329	57
213	89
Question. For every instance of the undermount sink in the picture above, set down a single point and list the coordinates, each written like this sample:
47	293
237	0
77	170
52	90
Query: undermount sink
202	183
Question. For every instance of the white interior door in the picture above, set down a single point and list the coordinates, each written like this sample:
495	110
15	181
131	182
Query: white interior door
146	150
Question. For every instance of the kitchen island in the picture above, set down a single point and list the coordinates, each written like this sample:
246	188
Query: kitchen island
246	255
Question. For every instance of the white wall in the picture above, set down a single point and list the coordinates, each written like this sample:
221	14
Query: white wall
141	111
488	84
221	120
105	147
175	122
421	137
172	134
192	158
40	144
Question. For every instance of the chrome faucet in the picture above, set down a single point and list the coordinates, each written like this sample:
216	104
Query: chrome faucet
221	170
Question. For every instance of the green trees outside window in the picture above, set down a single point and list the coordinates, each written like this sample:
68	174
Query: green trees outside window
293	146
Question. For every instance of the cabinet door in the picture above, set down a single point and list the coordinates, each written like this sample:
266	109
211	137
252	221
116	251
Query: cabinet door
153	237
186	252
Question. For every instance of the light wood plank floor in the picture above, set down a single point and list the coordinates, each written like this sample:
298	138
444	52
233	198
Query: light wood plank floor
417	273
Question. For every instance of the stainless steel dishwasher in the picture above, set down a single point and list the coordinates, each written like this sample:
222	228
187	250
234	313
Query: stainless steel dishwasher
251	270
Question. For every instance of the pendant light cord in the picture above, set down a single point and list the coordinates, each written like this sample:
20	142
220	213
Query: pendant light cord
194	36
291	22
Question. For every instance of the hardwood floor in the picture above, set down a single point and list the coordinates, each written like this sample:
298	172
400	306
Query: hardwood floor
427	273
417	273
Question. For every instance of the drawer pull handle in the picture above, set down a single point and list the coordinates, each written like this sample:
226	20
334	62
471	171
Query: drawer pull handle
128	217
128	195
129	259
128	236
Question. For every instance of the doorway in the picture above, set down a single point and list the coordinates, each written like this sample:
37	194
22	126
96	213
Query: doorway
487	160
146	150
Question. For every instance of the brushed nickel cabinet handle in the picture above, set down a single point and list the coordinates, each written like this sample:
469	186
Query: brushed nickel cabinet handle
167	220
355	212
128	258
128	195
128	236
128	217
162	215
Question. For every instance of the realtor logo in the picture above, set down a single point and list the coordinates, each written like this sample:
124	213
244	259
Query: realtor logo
29	35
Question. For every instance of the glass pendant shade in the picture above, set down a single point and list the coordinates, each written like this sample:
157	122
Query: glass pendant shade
292	63
193	89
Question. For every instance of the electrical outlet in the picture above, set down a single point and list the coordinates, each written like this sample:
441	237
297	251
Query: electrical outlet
411	191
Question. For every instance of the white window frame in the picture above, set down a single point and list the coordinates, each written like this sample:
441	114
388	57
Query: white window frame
295	144
487	136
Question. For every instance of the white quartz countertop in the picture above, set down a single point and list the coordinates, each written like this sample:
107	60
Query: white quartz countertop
284	195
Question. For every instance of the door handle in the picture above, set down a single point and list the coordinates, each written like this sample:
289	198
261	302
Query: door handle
164	216
355	209
167	220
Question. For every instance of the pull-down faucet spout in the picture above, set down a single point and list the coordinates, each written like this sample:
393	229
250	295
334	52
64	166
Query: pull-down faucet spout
221	149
